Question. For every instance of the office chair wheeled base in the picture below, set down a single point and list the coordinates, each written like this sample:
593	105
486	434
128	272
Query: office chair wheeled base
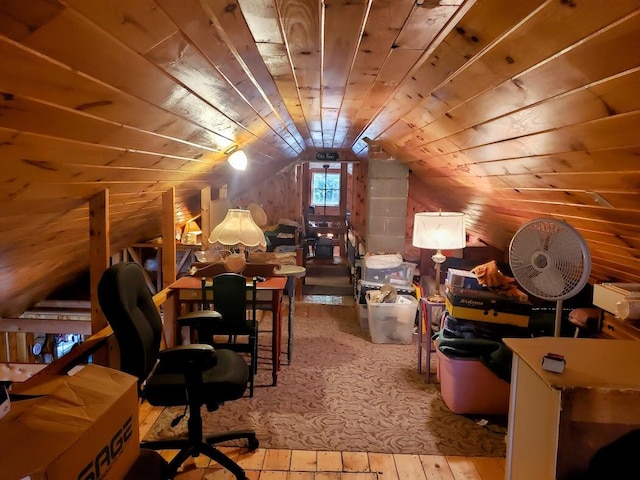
189	448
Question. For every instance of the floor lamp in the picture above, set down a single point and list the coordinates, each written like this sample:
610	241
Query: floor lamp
438	231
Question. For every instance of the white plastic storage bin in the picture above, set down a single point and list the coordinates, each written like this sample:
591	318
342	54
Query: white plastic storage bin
363	318
392	322
388	268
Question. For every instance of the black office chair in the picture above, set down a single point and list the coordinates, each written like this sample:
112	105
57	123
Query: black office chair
190	375
235	315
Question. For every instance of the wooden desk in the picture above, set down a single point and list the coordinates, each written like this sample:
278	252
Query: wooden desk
558	421
188	290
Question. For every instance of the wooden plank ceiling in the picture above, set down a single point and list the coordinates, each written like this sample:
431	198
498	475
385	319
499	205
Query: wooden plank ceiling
505	110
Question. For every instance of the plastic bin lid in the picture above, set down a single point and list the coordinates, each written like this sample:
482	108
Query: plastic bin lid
383	261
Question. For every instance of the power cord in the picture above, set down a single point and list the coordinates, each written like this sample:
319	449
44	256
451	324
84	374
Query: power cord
179	418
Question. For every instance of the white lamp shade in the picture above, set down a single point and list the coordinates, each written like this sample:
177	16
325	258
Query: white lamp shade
439	230
238	228
238	160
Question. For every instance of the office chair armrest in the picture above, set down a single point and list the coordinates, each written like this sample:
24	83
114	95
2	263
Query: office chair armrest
197	356
195	318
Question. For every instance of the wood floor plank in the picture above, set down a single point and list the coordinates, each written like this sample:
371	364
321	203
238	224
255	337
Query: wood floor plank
463	468
303	461
436	467
201	461
409	467
252	460
193	474
168	454
329	461
358	476
232	452
327	476
489	468
148	416
277	459
383	465
355	462
219	474
273	475
301	476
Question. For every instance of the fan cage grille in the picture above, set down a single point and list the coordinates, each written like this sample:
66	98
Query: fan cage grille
549	259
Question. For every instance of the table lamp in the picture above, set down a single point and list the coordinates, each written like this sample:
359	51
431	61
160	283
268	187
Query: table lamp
238	231
438	231
190	233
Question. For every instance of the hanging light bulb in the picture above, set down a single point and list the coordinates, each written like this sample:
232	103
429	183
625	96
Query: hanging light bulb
238	160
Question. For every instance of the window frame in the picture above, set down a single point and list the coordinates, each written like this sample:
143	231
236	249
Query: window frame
335	191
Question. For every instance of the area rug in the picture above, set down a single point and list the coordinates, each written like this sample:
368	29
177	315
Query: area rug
342	392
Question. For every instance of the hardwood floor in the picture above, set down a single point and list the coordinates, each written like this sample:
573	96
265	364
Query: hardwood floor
278	464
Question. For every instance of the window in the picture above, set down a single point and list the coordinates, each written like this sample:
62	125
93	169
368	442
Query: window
325	189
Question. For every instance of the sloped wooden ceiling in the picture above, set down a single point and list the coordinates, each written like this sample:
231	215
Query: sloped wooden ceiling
504	110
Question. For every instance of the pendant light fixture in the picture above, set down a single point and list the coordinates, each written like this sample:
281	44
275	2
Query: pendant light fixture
237	158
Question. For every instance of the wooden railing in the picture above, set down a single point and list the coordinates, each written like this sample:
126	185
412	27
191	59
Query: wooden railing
101	344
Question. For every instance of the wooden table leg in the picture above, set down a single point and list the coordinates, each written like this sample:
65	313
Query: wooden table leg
276	337
171	311
291	289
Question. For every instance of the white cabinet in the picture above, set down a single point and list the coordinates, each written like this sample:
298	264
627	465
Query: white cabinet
557	421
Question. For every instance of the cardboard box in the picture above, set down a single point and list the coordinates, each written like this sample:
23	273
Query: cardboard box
462	279
607	295
83	426
488	307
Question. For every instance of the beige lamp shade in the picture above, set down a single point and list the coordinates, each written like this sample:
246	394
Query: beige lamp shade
238	228
439	230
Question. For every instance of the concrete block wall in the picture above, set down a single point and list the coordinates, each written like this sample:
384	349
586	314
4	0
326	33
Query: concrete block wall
387	191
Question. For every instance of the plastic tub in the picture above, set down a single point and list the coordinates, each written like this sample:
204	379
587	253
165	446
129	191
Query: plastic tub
469	387
392	322
363	318
388	269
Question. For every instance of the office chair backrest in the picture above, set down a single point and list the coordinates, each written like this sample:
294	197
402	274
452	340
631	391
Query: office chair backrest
128	306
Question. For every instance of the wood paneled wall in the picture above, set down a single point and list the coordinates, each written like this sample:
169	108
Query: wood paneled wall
15	347
506	111
279	195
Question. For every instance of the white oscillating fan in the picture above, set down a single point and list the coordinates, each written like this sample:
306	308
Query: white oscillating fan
550	260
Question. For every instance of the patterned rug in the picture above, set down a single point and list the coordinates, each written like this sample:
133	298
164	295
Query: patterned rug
344	393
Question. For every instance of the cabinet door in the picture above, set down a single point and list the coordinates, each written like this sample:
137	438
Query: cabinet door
534	416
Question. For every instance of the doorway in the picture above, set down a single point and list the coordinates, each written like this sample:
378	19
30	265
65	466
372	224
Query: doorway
325	203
